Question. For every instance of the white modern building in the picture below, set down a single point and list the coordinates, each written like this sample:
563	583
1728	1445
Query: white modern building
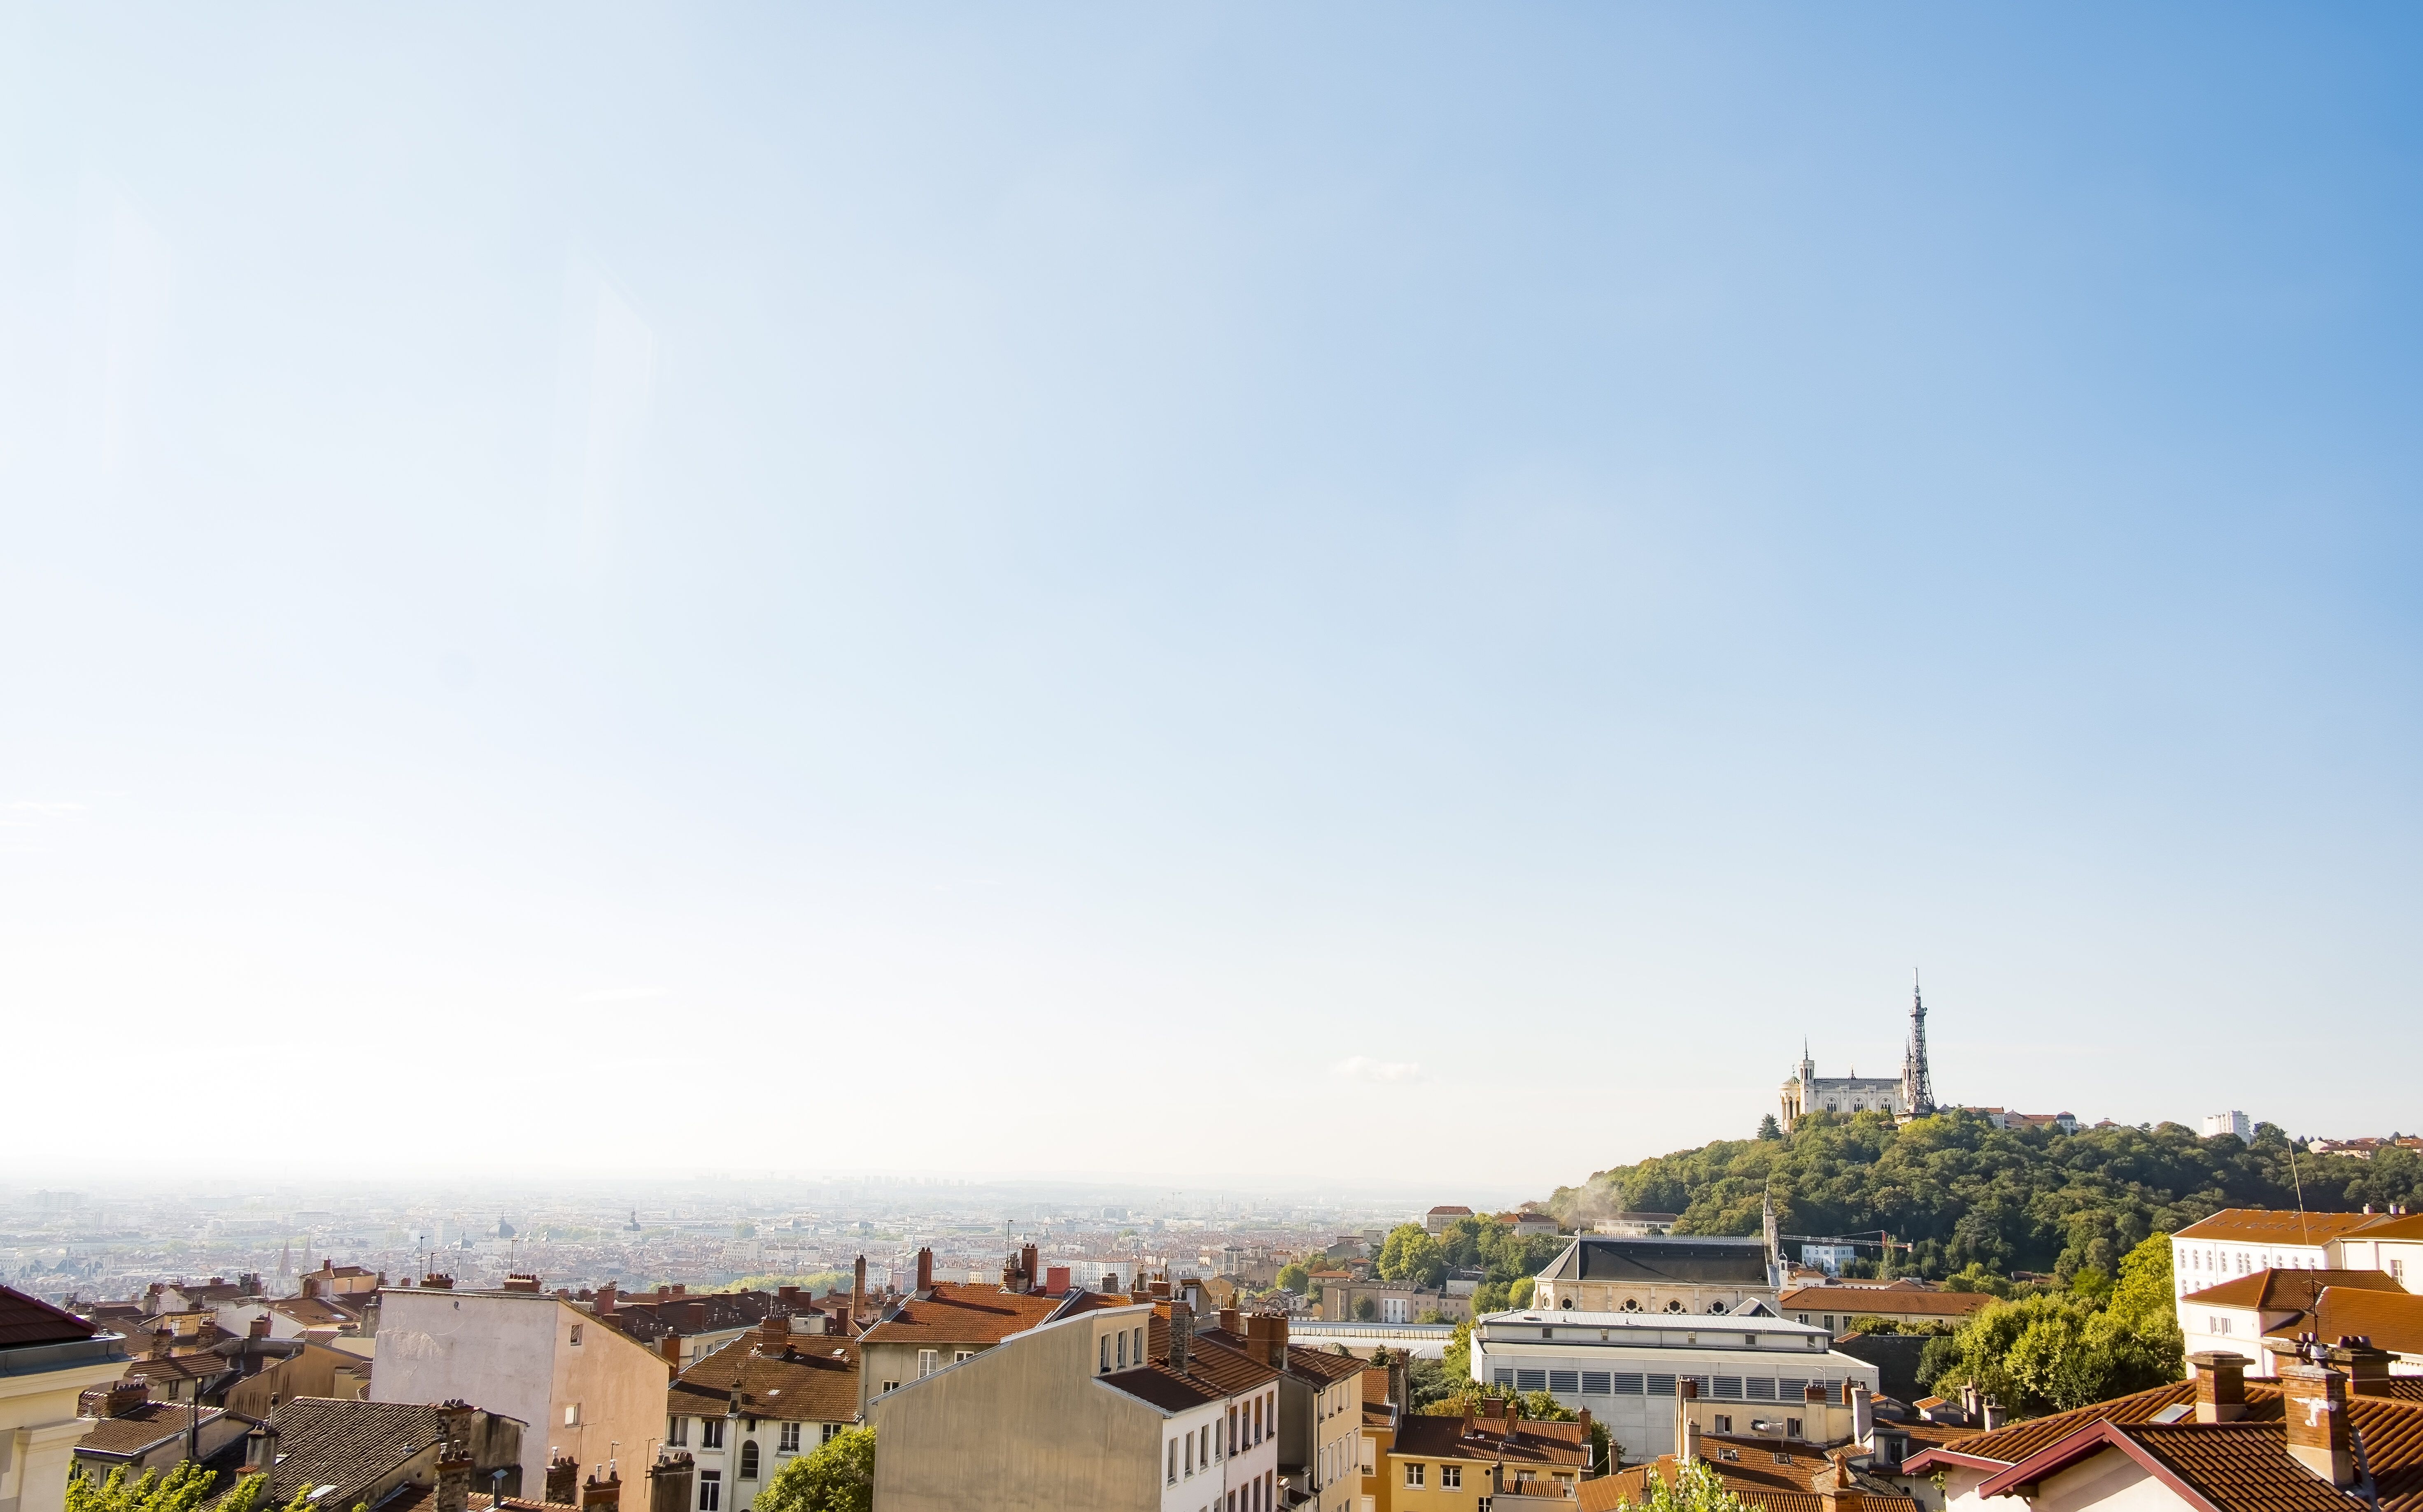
1625	1366
2232	1121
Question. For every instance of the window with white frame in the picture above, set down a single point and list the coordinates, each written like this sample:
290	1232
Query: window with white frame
928	1361
1413	1474
711	1433
1450	1477
677	1433
710	1491
789	1441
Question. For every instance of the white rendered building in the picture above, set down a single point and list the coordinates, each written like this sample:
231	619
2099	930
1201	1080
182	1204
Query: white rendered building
1624	1367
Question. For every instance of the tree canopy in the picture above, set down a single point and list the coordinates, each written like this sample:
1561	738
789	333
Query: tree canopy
838	1476
2058	1350
1969	1197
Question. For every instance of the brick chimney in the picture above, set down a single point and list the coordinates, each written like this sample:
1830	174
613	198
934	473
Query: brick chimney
857	1293
1181	1336
517	1282
563	1478
2368	1368
788	1297
1836	1490
453	1478
606	1493
1056	1281
670	1347
1029	1258
925	1273
1266	1339
774	1334
115	1399
2221	1385
1229	1320
2313	1400
694	1318
164	1341
258	1328
669	1483
260	1449
603	1304
1493	1408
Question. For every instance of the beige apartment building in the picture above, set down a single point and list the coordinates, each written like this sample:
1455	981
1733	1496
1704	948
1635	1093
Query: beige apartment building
48	1360
589	1391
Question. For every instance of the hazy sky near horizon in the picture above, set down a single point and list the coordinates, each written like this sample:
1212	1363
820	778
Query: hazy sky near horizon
1358	590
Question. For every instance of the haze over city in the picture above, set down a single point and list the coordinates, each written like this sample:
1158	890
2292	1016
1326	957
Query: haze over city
646	596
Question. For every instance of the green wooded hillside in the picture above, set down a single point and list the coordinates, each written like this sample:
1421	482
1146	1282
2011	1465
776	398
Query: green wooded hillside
1964	1193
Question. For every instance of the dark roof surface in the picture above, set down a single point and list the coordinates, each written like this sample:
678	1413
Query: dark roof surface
2296	1289
29	1320
1436	1436
964	1314
139	1428
350	1446
1686	1262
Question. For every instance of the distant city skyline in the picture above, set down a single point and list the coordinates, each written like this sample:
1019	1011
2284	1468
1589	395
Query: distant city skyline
1422	595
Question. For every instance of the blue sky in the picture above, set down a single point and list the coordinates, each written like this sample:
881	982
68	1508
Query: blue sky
921	589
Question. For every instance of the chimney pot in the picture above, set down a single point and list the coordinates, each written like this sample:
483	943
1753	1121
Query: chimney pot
1181	1336
925	1272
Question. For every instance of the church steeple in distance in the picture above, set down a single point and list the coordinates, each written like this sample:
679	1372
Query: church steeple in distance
1917	1086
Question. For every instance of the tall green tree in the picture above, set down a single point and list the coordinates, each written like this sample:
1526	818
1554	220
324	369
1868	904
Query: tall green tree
1410	1253
181	1489
2060	1350
838	1476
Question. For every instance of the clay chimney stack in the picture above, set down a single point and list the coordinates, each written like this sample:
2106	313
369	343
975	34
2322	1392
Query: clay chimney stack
2221	1385
453	1478
1181	1336
2368	1368
2314	1402
925	1273
857	1293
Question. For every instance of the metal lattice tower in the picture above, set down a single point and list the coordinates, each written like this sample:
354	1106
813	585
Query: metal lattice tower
1917	1086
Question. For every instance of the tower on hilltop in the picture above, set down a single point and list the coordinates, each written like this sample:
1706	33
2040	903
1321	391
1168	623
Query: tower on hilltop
1917	1086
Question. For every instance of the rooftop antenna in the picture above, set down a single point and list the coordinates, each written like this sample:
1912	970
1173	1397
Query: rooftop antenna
2302	1231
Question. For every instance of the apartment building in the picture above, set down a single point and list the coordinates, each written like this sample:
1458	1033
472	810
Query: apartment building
753	1405
1465	1464
2240	1241
1079	1411
48	1360
588	1391
940	1324
1319	1405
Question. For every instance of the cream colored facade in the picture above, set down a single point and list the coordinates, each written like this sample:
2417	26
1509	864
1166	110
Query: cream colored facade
39	1427
1031	1425
586	1388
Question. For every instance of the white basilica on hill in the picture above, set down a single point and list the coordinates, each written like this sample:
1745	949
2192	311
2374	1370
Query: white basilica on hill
1911	1095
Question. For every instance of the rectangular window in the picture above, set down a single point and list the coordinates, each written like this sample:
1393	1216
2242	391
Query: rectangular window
677	1433
1106	1354
710	1491
1173	1462
1762	1389
572	1414
1502	1375
1530	1380
1568	1381
1661	1385
1729	1388
2398	1269
711	1433
1598	1383
1724	1423
1792	1427
1370	1453
1791	1391
928	1361
962	1354
1829	1322
1413	1473
789	1443
1627	1382
1450	1477
576	1335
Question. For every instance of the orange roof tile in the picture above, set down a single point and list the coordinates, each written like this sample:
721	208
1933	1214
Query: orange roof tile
2294	1289
1883	1302
2265	1225
2393	1320
964	1314
815	1380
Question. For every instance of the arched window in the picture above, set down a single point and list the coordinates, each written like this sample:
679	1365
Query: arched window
1674	1306
1631	1304
1716	1307
749	1460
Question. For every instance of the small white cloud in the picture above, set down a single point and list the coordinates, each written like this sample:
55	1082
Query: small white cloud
621	995
1364	1068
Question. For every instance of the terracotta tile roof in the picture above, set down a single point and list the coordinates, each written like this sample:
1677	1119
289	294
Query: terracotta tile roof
29	1320
1436	1436
1882	1302
2008	1446
1779	1476
815	1380
139	1428
2245	1466
1228	1368
1324	1366
2393	1320
964	1314
1165	1388
2264	1225
2270	1290
350	1446
2390	1226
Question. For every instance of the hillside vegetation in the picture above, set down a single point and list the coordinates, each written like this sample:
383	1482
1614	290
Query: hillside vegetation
1971	1199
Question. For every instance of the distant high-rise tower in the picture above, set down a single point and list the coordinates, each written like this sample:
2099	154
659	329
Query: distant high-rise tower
1916	1087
